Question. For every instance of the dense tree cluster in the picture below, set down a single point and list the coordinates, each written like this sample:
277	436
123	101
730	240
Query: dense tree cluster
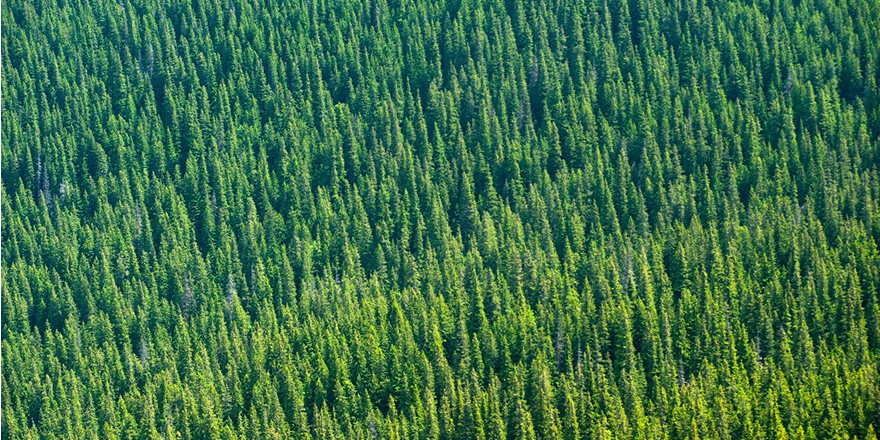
432	219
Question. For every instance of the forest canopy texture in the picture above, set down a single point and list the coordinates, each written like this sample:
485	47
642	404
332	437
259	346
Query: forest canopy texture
430	219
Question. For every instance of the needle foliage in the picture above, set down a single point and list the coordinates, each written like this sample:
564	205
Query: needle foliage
440	219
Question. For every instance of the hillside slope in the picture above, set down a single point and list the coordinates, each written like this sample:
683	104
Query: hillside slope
473	219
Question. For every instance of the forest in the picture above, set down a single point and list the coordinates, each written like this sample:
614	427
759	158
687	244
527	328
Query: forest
440	219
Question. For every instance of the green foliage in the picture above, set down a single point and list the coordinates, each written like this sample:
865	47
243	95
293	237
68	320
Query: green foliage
474	219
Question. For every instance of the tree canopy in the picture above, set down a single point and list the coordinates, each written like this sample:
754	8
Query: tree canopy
440	219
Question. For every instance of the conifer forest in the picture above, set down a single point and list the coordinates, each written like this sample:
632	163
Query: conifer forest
440	219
